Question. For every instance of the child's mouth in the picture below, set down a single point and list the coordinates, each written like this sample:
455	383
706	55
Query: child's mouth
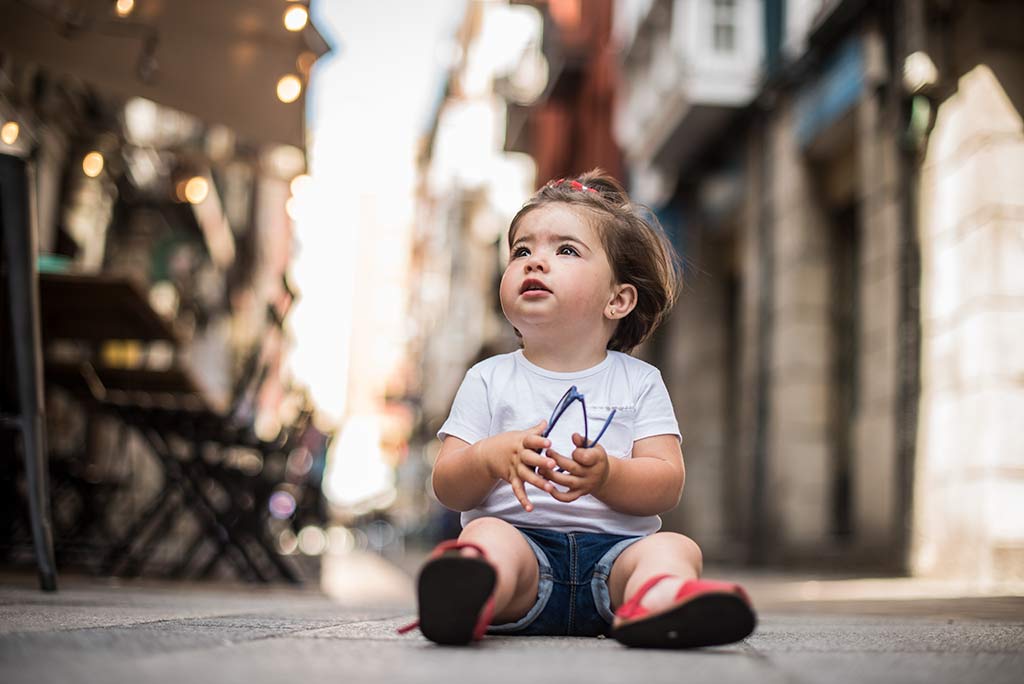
534	289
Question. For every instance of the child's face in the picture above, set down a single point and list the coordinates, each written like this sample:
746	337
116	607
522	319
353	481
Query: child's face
558	277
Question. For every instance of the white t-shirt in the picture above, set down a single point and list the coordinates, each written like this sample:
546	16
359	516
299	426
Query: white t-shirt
507	392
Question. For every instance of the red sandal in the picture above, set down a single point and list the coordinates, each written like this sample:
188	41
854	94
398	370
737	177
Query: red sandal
705	613
455	595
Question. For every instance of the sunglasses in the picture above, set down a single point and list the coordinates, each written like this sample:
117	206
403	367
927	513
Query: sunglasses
570	396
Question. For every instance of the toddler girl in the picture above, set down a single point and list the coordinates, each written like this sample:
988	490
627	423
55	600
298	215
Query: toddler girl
560	516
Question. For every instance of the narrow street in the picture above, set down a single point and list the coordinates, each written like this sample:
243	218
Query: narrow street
810	631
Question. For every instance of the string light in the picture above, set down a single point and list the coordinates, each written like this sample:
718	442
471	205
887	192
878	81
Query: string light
9	132
295	18
92	164
196	189
289	88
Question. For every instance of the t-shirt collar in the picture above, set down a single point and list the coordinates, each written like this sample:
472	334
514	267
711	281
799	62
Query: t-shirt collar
557	375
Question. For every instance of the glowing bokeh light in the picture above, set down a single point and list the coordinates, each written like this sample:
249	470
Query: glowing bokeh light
92	164
287	542
295	18
196	189
289	88
9	132
300	184
291	208
312	541
282	505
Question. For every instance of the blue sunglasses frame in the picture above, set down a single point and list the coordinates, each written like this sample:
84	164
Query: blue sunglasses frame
571	395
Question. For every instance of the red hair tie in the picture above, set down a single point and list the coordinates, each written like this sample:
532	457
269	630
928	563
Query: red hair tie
574	184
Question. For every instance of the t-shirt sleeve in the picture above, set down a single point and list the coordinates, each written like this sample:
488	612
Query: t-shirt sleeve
470	417
654	412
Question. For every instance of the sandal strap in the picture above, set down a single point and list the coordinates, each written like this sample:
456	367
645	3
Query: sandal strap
632	607
455	545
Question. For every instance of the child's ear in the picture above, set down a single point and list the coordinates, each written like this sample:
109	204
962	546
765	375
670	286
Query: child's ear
623	301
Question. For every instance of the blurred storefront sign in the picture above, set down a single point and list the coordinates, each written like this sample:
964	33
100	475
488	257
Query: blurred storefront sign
222	61
833	93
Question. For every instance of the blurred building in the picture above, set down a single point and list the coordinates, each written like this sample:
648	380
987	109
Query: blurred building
843	179
162	139
469	189
567	128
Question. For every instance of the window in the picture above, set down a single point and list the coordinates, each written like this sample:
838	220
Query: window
723	24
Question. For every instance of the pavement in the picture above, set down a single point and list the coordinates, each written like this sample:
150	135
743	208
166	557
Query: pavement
811	629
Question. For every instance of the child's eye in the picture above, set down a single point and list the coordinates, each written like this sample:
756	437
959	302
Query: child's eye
568	249
520	252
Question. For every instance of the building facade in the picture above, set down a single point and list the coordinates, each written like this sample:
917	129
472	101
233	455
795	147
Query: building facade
840	359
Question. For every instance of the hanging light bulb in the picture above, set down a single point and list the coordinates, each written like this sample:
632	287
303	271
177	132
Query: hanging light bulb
196	189
289	88
295	17
9	132
92	164
124	7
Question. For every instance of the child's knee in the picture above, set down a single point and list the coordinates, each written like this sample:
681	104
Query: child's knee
503	544
674	544
487	527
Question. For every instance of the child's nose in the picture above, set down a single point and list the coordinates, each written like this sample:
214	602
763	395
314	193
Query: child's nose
536	262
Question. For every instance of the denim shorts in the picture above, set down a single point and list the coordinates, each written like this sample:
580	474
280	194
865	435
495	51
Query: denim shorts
572	593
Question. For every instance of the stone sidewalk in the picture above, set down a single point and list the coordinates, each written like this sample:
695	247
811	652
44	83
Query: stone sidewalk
810	630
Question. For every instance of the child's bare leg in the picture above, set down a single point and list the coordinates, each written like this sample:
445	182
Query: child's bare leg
661	553
511	555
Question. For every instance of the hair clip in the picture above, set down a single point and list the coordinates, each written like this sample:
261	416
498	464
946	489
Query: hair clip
574	184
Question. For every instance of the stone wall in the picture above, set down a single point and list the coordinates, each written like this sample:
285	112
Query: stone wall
694	369
969	484
799	468
874	464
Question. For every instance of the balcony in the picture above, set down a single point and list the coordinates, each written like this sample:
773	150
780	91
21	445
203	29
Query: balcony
687	66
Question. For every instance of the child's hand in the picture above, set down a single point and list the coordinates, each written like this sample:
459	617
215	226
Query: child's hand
514	458
586	472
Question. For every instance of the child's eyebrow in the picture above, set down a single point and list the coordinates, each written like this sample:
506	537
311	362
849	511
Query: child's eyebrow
554	238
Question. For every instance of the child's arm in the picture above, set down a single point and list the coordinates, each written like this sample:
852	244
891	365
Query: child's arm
465	473
649	483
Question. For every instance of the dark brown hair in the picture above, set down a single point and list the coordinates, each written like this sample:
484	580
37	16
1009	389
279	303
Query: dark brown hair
637	248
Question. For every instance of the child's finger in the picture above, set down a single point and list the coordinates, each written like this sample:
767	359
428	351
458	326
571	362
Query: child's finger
538	428
520	492
585	457
528	475
535	460
536	442
566	497
564	463
564	479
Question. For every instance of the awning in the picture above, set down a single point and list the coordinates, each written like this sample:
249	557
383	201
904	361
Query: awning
217	60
